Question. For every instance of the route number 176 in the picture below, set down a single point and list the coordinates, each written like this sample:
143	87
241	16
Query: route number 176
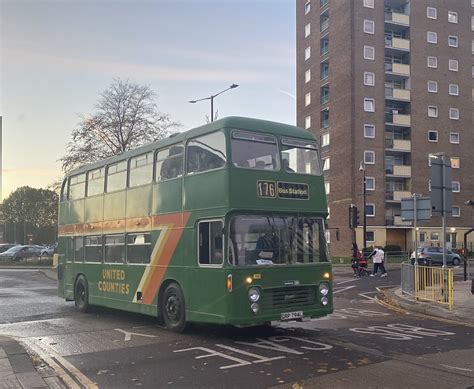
266	189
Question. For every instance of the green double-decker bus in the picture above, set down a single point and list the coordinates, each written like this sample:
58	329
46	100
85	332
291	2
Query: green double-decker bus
221	224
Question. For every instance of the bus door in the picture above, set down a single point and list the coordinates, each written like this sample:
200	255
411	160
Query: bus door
208	284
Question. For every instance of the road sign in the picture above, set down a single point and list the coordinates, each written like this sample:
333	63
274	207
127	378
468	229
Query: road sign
441	179
423	208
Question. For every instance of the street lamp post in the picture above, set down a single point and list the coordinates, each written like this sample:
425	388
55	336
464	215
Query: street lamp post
364	216
233	86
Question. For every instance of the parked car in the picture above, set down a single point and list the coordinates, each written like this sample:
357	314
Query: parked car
434	255
6	246
19	252
48	250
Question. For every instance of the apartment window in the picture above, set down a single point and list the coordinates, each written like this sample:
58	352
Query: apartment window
454	113
456	186
369	78
327	187
307	7
429	185
454	138
433	136
369	3
307	99
307	76
472	3
369	131
472	71
472	46
307	122
456	211
432	37
370	183
369	26
369	157
453	41
472	23
431	13
432	62
452	17
307	30
370	210
454	89
433	86
325	139
455	162
432	111
369	105
370	236
369	52
307	53
324	71
324	118
453	65
326	163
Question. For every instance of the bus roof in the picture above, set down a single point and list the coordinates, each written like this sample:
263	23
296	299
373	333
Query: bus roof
237	122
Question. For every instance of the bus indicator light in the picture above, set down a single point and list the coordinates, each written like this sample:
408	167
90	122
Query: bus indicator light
327	276
229	283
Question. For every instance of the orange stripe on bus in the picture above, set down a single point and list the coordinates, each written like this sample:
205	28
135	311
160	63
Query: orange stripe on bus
174	229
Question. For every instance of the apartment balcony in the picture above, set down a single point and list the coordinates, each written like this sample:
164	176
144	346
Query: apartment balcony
324	99
323	3
396	221
397	18
402	120
397	94
399	69
397	43
398	170
398	195
398	145
324	25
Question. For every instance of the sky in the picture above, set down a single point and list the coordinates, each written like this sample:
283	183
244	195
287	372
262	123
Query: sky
56	56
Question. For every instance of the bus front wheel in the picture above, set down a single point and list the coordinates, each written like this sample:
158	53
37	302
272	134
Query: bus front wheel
81	294
172	308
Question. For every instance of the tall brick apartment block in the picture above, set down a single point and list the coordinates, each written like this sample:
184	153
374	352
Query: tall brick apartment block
386	83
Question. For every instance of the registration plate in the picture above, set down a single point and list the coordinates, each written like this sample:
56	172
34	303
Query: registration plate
291	315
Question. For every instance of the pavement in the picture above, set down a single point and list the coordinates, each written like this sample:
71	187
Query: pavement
462	311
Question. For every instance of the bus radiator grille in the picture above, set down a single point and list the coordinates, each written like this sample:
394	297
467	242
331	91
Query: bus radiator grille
276	298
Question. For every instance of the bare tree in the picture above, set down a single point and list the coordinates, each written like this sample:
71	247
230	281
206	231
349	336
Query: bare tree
126	116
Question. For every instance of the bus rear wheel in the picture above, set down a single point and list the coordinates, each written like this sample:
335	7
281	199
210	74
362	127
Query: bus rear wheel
81	294
172	308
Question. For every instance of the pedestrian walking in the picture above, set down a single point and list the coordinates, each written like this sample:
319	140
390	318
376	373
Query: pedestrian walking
378	257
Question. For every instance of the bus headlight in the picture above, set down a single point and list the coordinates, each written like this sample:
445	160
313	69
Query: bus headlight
255	308
324	300
324	289
254	294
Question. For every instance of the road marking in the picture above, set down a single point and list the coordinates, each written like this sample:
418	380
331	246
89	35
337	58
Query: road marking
351	313
372	299
128	335
214	353
401	332
342	289
70	375
457	368
259	358
345	282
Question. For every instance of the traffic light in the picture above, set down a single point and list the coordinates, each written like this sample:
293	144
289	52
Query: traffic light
353	216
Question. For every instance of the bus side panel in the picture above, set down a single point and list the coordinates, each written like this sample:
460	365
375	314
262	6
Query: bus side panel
114	206
139	202
94	211
167	197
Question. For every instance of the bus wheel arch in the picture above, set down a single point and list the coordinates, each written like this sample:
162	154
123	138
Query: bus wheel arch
172	306
81	293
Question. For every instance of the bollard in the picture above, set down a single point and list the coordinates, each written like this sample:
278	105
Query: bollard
472	286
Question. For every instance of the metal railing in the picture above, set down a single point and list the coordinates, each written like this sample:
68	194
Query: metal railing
435	285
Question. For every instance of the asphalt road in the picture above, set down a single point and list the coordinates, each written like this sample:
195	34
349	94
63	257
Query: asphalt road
361	345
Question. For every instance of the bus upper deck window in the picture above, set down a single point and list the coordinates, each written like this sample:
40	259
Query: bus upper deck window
77	187
95	182
254	151
169	163
300	156
207	152
117	176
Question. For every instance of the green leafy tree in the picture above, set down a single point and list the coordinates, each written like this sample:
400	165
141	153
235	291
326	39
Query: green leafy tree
126	116
30	211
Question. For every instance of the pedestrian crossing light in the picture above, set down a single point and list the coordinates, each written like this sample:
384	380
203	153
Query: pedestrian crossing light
353	216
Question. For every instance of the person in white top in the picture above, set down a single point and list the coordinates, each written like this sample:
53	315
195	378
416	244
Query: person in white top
378	257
